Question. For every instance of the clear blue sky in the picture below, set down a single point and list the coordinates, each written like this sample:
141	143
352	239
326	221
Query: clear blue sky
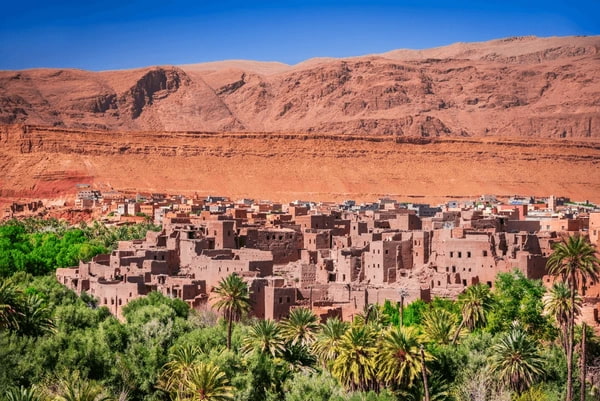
100	35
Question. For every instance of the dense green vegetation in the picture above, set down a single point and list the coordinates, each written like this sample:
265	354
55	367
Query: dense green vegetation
53	339
509	343
40	246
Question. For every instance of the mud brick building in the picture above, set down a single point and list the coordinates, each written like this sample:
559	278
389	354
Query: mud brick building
332	259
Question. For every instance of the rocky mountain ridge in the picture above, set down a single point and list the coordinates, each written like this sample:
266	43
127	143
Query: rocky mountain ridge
527	86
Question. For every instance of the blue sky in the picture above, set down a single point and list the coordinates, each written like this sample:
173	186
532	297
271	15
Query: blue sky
100	35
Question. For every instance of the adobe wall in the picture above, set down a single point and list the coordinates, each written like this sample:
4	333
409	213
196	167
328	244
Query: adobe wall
183	288
405	222
317	239
594	228
278	302
339	242
285	244
223	232
316	221
116	294
341	227
421	248
531	226
189	248
357	228
381	260
308	275
213	266
348	264
560	225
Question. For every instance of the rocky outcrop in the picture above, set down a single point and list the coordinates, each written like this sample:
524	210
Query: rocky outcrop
153	86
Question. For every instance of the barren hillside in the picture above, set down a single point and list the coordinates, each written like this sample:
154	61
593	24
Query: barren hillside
518	115
539	87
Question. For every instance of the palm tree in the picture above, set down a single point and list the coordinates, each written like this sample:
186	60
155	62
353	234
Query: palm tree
355	365
326	346
22	394
233	299
574	260
373	315
439	325
300	327
403	294
399	356
264	336
36	317
557	303
515	359
176	372
299	358
206	382
77	389
11	300
474	303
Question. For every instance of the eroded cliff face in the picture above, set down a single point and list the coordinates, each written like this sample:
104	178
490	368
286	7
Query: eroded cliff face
48	162
542	88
